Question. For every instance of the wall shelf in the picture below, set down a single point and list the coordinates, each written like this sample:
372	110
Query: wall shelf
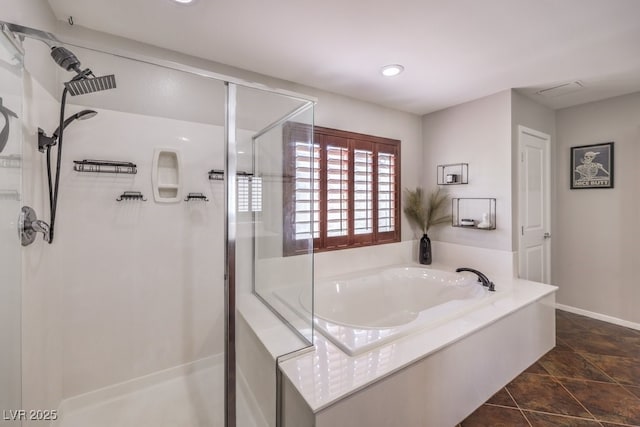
197	197
104	166
471	212
453	174
131	195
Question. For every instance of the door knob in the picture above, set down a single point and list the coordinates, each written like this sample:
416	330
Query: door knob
547	235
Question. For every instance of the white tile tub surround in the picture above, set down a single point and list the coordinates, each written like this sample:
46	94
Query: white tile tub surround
470	357
261	337
492	262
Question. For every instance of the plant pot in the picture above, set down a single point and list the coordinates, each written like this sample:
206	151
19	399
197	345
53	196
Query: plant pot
425	250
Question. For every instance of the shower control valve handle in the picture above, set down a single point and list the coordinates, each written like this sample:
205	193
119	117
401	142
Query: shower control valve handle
29	226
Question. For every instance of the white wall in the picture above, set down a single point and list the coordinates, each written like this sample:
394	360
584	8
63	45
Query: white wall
477	133
597	235
41	294
142	282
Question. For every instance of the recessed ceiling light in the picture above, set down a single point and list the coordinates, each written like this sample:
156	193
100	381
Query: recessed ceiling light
391	70
183	1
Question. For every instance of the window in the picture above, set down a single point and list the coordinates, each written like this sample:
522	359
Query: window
343	190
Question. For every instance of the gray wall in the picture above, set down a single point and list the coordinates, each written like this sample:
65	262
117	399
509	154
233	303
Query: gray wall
597	235
478	133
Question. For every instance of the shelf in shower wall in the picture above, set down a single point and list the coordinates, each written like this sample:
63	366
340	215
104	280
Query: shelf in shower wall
166	175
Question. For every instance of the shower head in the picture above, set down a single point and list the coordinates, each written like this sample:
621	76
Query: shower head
82	115
84	84
66	59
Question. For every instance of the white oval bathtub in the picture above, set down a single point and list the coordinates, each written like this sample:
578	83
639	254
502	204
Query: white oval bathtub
389	298
360	312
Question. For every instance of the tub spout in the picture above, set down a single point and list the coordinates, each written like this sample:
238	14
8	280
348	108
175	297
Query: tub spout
481	277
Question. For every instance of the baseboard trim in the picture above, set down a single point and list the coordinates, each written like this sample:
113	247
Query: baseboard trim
598	316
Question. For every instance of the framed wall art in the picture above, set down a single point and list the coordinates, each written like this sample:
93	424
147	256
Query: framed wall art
592	166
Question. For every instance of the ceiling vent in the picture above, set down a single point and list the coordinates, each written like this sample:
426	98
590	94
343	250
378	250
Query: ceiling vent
561	89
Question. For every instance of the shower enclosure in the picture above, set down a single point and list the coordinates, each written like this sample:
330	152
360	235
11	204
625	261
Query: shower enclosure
159	302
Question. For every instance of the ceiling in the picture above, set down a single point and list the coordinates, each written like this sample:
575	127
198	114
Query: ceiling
453	51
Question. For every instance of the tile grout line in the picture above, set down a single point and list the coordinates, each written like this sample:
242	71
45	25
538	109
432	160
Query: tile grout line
518	406
608	379
597	368
576	399
575	417
614	381
556	379
581	354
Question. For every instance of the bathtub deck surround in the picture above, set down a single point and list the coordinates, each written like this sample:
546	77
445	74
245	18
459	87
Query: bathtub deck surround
411	379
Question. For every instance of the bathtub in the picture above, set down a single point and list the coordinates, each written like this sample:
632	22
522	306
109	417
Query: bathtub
361	312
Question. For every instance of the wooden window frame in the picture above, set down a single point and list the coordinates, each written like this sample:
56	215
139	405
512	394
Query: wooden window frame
353	141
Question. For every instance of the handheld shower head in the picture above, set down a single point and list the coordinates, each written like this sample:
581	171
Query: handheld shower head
45	141
82	115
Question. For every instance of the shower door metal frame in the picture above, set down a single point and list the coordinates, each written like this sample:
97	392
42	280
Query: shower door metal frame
230	191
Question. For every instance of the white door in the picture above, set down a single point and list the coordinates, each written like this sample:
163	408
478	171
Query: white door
534	210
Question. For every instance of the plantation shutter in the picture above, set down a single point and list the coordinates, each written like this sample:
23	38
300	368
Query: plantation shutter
343	190
335	202
388	211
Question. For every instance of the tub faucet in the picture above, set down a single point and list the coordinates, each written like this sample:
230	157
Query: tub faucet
481	277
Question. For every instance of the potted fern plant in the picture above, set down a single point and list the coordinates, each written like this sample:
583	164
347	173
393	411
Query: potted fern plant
425	211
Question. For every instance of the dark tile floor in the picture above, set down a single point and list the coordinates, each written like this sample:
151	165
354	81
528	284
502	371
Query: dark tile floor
590	379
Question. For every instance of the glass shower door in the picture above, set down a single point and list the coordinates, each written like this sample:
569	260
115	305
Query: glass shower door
11	68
